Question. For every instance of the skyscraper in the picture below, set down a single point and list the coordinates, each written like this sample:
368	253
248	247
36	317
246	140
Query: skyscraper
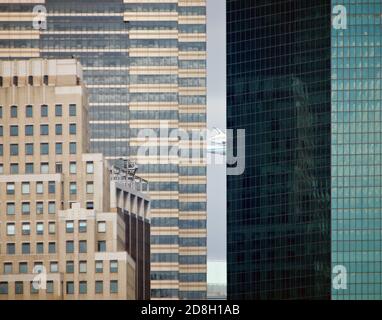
145	66
304	80
356	60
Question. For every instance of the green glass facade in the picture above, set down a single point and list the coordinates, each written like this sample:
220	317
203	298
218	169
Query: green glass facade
356	149
304	80
279	92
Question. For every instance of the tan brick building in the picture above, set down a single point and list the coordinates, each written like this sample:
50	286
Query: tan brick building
55	215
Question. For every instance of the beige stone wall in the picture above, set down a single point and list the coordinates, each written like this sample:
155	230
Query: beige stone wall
55	82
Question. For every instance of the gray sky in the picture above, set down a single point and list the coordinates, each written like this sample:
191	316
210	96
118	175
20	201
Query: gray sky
216	115
216	63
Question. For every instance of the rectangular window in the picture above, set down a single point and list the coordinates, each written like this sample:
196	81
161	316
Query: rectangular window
89	187
113	266
51	187
25	248
39	247
1	168
90	205
10	188
39	187
69	226
83	267
40	228
7	268
14	149
11	248
3	287
72	128
14	131
52	228
1	131
83	246
73	188
44	167
25	188
44	110
26	228
11	208
50	287
58	167
58	110
38	267
72	110
1	112
99	287
58	129
82	226
83	287
16	81
114	286
23	267
44	148
89	167
101	226
39	207
101	246
14	168
69	266
29	168
99	266
1	150
52	247
33	290
73	168
69	246
54	267
10	229
51	207
29	149
72	148
70	287
30	80
58	148
29	111
46	80
14	112
44	130
19	287
25	208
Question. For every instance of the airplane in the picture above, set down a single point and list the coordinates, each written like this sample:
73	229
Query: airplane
217	142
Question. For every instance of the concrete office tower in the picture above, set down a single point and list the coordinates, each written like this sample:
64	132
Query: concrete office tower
304	80
56	218
145	66
129	198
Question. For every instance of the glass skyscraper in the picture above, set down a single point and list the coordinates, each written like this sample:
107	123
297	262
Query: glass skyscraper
356	59
144	63
308	93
